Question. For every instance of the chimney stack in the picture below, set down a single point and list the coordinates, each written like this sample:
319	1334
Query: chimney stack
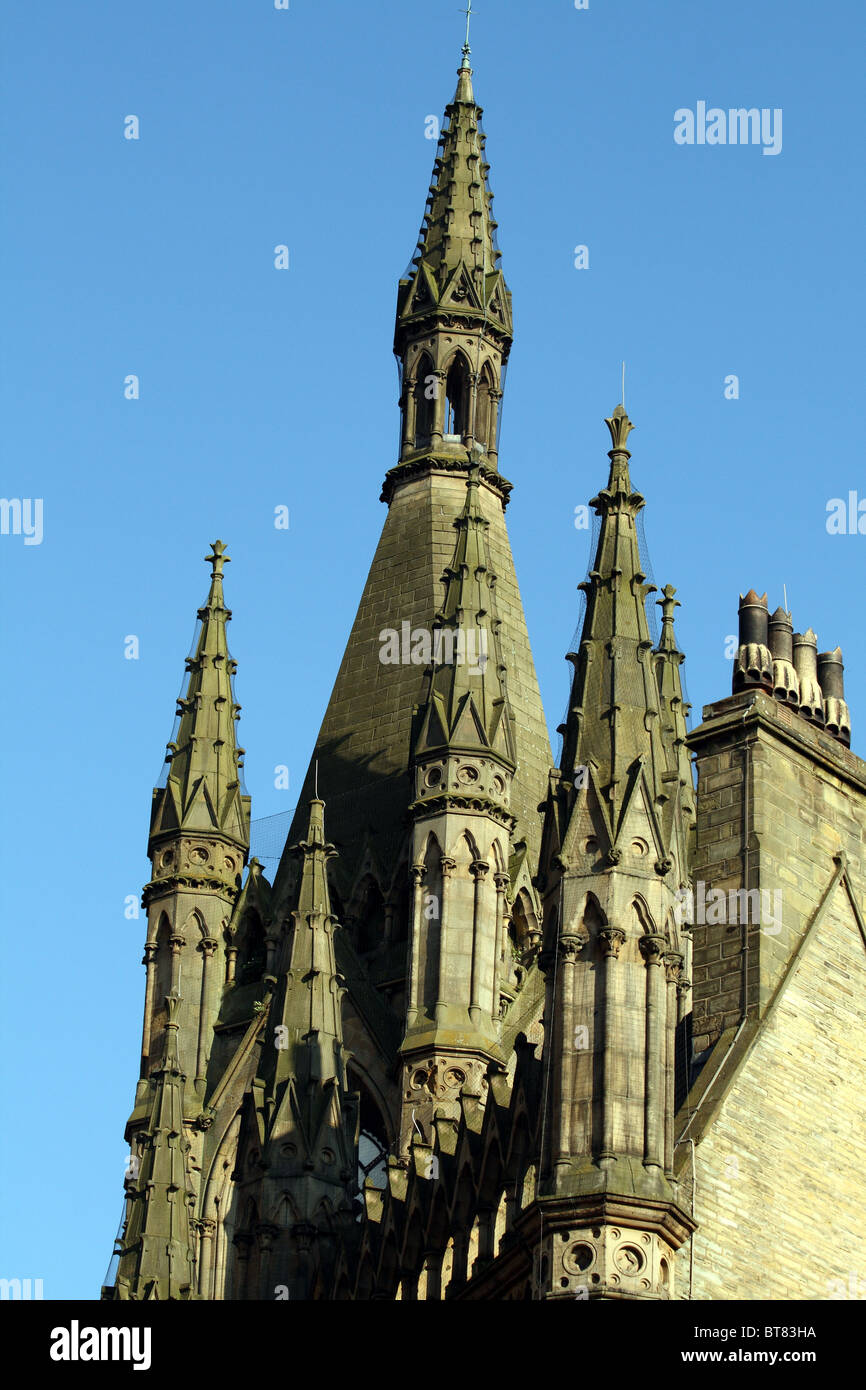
831	675
806	666
775	658
753	664
786	686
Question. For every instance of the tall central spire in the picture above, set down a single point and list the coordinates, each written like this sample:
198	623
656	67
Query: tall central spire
452	338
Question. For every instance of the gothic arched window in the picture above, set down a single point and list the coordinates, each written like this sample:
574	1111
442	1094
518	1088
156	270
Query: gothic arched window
252	951
457	398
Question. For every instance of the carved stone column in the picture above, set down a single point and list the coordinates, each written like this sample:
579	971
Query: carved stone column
501	881
149	961
493	428
673	967
433	1265
471	407
243	1243
177	943
479	870
410	408
417	871
266	1234
486	1237
206	1233
447	866
652	949
231	962
611	940
570	946
438	429
207	946
683	988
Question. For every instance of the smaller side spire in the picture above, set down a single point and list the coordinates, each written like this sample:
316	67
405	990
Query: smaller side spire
673	706
297	1149
308	993
203	790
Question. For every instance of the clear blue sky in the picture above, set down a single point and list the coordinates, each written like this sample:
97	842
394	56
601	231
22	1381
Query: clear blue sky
258	388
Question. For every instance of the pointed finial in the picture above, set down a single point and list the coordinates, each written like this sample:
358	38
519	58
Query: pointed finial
667	603
620	427
466	49
218	558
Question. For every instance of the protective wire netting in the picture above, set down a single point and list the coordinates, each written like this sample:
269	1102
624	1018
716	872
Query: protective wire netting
268	837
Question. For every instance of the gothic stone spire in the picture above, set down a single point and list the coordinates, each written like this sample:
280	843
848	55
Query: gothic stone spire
202	790
454	331
299	1131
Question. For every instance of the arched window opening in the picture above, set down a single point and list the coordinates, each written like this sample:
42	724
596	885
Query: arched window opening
402	907
163	967
252	951
456	400
523	929
373	1142
370	916
161	988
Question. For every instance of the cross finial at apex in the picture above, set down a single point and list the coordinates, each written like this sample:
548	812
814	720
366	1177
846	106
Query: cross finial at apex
218	557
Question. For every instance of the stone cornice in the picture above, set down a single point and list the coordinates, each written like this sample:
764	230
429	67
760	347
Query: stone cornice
164	887
754	709
428	462
455	801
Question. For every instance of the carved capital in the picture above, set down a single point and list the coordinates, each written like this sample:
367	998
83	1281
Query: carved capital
447	866
207	946
673	965
304	1233
612	940
267	1234
570	946
177	944
479	869
502	882
150	953
417	872
652	948
683	987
